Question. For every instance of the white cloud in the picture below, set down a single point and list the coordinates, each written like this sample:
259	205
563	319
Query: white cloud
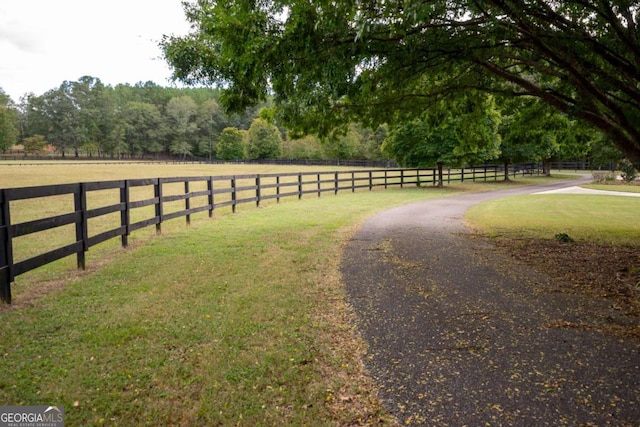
44	42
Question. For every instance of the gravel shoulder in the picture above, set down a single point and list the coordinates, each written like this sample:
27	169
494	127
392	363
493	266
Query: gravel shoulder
464	331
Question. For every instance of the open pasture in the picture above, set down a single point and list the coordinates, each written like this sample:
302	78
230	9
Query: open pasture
274	183
14	175
25	174
236	321
239	320
106	206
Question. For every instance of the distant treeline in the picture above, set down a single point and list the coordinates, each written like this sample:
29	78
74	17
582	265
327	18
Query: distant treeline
86	118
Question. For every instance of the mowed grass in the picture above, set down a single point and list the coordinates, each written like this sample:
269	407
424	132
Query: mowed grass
26	174
238	320
597	218
634	188
235	321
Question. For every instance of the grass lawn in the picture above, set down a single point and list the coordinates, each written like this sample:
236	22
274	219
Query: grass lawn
614	187
239	320
604	219
24	174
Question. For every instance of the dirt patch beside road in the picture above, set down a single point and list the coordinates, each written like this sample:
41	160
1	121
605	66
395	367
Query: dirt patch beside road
595	270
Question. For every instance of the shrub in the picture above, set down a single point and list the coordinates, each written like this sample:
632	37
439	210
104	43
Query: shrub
603	176
627	171
564	238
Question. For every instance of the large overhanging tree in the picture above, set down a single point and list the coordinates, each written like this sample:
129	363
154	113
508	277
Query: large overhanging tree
329	61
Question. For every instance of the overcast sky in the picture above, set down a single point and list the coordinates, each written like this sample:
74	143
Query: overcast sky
45	42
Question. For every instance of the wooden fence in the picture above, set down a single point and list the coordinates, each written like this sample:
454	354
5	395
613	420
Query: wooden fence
82	217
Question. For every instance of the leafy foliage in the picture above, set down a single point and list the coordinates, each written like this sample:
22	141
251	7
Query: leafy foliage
628	172
563	237
263	140
88	118
182	112
231	145
531	132
34	144
8	131
327	62
454	132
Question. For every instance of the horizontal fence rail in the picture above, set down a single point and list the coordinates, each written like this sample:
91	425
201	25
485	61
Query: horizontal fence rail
85	221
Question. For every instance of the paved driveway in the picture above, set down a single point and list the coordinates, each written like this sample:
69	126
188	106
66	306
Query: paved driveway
460	335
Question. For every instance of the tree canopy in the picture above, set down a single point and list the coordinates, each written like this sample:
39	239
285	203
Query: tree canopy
263	140
8	131
456	132
327	61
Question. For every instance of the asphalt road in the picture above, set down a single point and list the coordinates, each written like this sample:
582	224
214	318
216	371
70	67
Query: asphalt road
459	335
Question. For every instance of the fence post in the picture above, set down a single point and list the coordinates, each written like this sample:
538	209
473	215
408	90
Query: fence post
401	178
157	192
258	190
336	182
187	201
319	186
385	179
278	189
233	194
125	215
299	186
6	250
80	205
370	180
353	182
210	195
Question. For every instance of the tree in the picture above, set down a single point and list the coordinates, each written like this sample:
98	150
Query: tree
115	142
531	131
603	154
307	147
347	145
211	120
460	131
8	120
263	140
144	128
180	148
58	112
34	144
327	62
181	114
373	140
231	144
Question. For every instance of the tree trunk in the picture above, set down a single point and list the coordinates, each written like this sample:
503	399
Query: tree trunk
440	177
506	170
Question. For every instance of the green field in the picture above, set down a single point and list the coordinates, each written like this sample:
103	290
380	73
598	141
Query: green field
235	320
23	174
615	187
605	219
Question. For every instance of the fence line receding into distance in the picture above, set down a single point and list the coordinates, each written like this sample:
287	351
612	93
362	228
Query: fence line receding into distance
77	218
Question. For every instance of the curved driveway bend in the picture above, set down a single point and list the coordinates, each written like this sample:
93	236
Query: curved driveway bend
459	335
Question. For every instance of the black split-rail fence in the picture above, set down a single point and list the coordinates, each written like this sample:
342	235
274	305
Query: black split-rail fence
40	225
